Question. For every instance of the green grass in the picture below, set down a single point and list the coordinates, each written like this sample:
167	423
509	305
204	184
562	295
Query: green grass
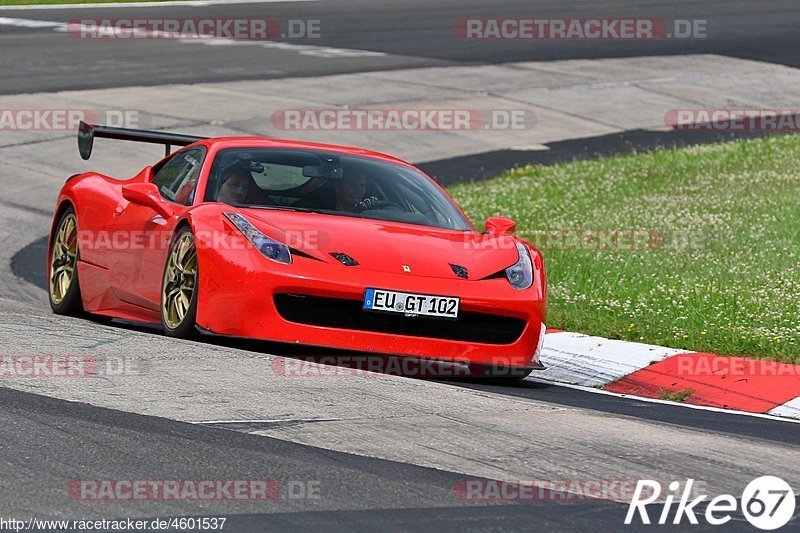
45	2
676	396
721	272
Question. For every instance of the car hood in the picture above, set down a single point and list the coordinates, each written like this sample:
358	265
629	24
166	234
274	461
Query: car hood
384	246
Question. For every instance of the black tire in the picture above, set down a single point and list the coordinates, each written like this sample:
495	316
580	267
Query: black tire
64	302
185	328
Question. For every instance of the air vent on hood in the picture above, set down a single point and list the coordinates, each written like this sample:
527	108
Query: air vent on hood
344	259
459	271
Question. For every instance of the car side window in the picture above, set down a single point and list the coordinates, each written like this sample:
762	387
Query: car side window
177	178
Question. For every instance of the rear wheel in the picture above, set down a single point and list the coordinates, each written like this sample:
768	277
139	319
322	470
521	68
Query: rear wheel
64	290
179	287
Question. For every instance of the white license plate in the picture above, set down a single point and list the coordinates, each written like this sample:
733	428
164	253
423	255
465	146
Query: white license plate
411	304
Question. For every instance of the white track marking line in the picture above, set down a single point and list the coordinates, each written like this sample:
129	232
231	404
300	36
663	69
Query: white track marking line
29	23
266	421
302	49
790	409
666	402
184	3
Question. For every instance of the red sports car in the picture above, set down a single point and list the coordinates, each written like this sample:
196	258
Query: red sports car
296	242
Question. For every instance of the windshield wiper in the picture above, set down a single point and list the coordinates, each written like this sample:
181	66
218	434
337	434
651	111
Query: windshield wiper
287	208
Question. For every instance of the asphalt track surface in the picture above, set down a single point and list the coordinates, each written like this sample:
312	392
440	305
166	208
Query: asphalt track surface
385	493
48	441
411	33
370	494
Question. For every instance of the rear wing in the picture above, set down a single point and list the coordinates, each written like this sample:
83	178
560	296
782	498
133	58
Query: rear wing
88	132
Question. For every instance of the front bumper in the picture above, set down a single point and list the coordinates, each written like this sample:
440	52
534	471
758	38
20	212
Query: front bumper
237	298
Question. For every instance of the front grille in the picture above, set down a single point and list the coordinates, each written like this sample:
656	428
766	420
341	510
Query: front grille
348	314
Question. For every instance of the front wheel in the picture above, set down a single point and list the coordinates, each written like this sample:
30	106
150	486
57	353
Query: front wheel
179	287
64	291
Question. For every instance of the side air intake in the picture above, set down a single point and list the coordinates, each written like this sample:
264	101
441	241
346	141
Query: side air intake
459	271
345	259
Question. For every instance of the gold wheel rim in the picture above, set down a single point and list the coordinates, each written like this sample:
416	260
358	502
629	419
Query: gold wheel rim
180	280
63	258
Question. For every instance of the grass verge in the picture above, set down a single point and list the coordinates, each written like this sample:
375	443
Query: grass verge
676	396
694	248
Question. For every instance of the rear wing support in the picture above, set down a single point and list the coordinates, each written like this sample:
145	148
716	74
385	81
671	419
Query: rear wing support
88	132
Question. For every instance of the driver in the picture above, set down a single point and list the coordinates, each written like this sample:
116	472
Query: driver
237	187
345	194
350	190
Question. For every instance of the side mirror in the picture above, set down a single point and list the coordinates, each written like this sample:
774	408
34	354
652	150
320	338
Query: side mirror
147	195
500	226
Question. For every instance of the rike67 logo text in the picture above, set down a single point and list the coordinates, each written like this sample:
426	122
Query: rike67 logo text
767	502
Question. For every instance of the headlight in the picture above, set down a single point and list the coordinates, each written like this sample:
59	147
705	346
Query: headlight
520	275
270	248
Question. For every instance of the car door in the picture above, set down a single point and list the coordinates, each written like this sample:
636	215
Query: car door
142	264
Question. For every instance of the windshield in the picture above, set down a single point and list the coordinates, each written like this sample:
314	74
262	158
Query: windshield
331	183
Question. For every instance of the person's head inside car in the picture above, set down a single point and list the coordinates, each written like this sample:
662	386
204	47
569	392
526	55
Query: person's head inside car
236	187
350	189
